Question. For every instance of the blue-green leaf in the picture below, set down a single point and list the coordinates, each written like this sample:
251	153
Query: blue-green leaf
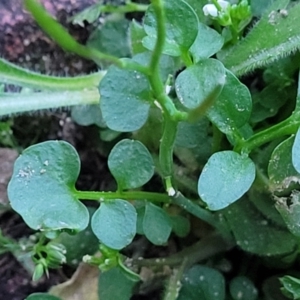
115	284
157	225
125	99
232	108
131	164
179	35
203	283
114	223
207	43
196	83
226	177
42	187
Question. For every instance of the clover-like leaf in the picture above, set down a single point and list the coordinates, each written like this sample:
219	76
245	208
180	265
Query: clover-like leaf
232	108
131	164
207	43
201	282
179	35
291	287
42	187
125	96
157	225
225	178
196	83
114	223
242	288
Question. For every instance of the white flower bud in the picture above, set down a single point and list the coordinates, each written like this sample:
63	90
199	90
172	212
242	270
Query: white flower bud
210	10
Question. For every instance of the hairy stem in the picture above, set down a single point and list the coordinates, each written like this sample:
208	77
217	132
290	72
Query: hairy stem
16	102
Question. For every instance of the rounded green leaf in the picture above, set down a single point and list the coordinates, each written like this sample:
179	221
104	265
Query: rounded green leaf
207	43
281	170
131	164
124	99
203	283
242	288
225	178
42	187
114	223
180	225
296	152
232	108
115	284
42	296
157	225
196	83
180	35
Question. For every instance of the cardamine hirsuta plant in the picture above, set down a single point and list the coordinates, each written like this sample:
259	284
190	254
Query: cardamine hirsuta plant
226	152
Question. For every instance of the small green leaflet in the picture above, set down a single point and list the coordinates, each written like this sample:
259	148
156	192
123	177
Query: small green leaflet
42	296
291	287
157	225
114	223
225	178
131	164
42	187
180	35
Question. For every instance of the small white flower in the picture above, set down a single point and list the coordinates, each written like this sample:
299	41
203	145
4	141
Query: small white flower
210	10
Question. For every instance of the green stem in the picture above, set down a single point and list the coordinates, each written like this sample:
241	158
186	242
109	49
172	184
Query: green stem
200	213
131	195
123	9
202	250
286	127
13	74
166	147
17	103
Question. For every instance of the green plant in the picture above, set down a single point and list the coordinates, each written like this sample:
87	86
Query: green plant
179	102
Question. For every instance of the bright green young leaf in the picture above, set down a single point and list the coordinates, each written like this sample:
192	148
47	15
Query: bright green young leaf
232	108
274	36
114	223
203	283
289	208
42	296
157	225
291	287
254	233
137	33
42	188
226	177
196	83
242	288
281	170
296	152
131	164
207	43
180	225
125	99
179	35
115	284
112	37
